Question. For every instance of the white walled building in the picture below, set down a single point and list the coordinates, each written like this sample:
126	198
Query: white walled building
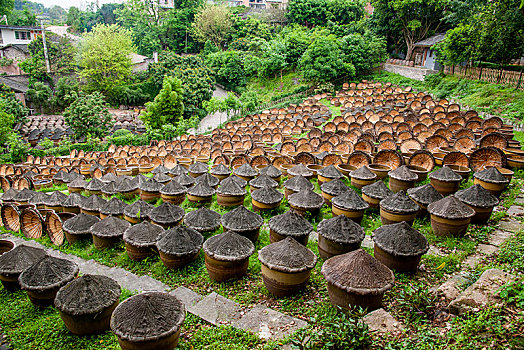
17	35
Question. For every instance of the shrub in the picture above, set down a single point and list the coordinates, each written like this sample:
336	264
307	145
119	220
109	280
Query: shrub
39	93
335	330
88	115
18	149
167	107
6	125
12	105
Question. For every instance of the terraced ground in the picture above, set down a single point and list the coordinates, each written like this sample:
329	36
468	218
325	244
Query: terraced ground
415	315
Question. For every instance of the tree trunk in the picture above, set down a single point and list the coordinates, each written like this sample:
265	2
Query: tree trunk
409	53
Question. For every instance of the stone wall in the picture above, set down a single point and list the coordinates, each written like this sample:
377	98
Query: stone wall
409	72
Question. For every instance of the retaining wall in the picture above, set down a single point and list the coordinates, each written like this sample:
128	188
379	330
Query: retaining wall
409	72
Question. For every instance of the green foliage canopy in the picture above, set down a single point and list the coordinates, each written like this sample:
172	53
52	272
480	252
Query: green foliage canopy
168	105
312	13
413	20
61	54
105	57
323	61
12	105
39	93
494	33
88	115
228	68
196	78
213	22
66	92
6	124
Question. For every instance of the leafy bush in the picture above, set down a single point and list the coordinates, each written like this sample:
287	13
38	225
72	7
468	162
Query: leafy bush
228	68
39	93
18	149
323	61
335	330
88	115
123	137
170	131
66	92
167	107
513	293
196	78
128	95
6	124
433	80
105	59
12	105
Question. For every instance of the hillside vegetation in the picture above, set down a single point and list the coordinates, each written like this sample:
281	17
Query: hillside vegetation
482	96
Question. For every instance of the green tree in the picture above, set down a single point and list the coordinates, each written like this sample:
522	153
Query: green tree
6	124
12	105
414	19
128	95
6	6
39	93
297	40
309	13
250	27
228	67
215	105
105	57
74	19
364	52
57	14
250	100
88	115
25	17
143	18
499	29
18	149
459	45
61	54
156	29
168	105
177	26
345	11
274	54
232	103
213	22
66	92
196	78
495	33
227	105
312	13
323	61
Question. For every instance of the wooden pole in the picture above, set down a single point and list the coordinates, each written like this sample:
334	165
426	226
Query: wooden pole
46	58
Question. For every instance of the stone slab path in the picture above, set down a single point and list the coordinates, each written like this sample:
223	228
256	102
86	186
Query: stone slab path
213	308
212	121
126	279
480	293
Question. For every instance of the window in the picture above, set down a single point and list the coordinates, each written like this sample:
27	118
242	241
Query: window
19	35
